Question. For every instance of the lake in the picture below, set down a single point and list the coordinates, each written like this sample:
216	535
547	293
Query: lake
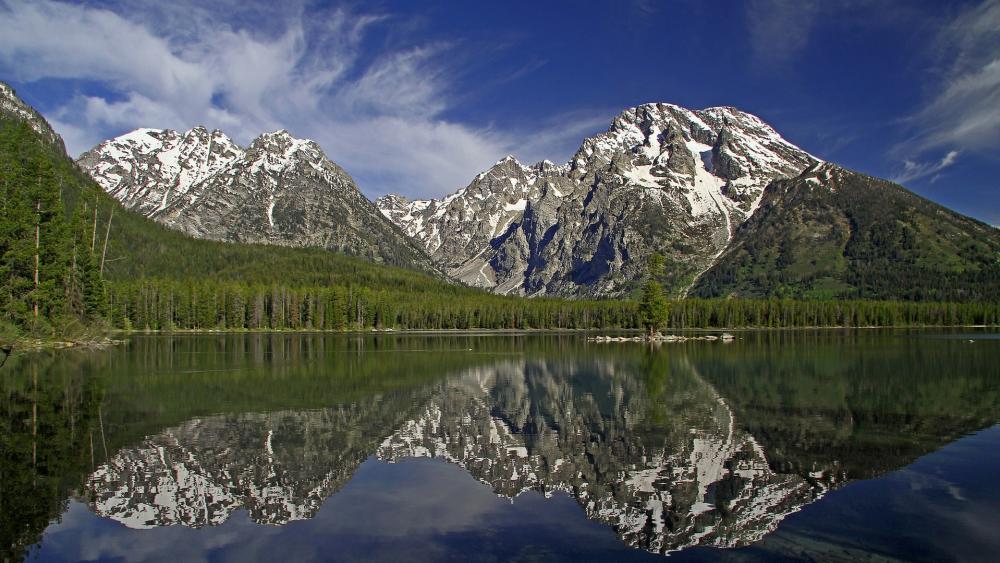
782	445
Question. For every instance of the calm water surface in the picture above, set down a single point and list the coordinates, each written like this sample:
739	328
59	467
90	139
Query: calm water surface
856	445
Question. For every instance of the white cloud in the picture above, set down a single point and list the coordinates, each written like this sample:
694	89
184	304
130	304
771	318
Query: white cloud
780	30
913	170
560	135
966	111
179	64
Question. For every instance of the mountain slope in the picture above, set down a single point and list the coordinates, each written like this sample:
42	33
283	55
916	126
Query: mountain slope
662	179
139	247
13	109
148	168
280	190
50	284
834	233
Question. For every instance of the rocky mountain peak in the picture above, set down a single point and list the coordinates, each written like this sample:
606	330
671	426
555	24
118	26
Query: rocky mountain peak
14	108
394	199
282	142
506	166
147	169
692	478
547	166
278	151
661	178
279	190
392	205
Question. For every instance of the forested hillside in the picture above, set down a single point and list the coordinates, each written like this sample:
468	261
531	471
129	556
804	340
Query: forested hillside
50	281
836	234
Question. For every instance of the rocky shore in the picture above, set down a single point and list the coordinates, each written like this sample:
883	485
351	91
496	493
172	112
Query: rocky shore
659	337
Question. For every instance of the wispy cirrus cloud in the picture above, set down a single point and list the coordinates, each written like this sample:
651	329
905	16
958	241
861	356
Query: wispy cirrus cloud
780	29
913	170
247	70
964	114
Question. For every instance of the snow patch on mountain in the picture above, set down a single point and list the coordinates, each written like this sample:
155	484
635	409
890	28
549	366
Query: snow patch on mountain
279	190
662	179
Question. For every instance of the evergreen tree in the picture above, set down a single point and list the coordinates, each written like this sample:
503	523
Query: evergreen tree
653	308
47	278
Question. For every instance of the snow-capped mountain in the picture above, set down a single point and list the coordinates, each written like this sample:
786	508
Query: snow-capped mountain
279	466
148	169
279	190
661	179
176	477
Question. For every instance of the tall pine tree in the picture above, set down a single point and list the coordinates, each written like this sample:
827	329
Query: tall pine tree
48	280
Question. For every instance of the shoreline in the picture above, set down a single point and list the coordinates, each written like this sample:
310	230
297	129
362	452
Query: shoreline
119	337
486	331
22	344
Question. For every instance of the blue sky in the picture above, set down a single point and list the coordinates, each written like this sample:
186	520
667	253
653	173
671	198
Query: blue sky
418	97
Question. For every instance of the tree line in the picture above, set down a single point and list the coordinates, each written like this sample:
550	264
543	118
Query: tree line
167	305
171	305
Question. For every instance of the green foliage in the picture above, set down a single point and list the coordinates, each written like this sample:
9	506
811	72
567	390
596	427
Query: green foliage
790	313
653	308
168	304
207	305
864	401
36	235
856	237
47	422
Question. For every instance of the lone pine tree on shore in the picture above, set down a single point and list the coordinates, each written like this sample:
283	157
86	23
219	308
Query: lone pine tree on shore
653	308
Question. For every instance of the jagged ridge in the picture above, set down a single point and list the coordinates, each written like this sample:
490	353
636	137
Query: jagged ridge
280	190
661	179
12	107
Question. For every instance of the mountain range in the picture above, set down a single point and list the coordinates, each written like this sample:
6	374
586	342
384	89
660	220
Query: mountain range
688	453
661	179
735	210
279	190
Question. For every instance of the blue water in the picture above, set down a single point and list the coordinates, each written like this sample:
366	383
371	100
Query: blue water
878	446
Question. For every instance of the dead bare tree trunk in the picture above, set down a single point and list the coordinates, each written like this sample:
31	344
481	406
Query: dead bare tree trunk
38	241
107	235
104	443
93	233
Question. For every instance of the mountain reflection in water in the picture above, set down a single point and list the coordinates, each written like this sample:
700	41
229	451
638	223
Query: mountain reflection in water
665	472
694	445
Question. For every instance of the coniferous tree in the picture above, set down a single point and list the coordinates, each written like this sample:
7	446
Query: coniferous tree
653	308
46	275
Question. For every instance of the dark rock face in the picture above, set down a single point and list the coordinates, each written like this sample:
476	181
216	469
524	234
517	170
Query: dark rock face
280	190
661	179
